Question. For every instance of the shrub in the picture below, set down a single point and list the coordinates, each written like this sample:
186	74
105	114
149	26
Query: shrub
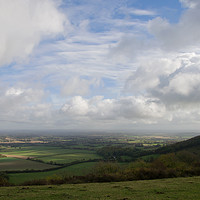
4	178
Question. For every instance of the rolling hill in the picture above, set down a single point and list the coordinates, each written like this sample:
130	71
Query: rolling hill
192	144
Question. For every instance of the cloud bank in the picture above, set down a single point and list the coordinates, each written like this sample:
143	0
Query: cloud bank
121	66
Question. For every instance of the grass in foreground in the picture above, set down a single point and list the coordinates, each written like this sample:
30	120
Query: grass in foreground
177	188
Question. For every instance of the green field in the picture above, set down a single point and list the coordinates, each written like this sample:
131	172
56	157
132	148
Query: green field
76	156
46	154
55	154
14	164
174	189
78	169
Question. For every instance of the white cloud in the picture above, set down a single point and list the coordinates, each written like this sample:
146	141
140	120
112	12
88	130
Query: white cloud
23	24
180	36
185	84
174	80
140	12
190	3
14	92
77	86
109	52
148	74
97	108
130	47
77	106
176	37
17	103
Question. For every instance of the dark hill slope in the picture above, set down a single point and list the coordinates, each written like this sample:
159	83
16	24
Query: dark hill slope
191	144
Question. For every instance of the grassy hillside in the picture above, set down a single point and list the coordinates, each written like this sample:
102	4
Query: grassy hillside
193	143
176	188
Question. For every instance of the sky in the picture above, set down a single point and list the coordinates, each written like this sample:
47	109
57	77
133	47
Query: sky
118	65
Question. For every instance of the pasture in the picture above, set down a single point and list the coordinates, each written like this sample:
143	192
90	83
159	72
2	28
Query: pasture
176	188
50	153
15	164
47	154
77	170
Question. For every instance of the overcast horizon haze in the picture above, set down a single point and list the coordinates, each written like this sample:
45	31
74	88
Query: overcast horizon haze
106	65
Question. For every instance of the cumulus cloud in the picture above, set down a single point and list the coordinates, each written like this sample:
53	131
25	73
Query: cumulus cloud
148	74
182	89
190	3
172	81
184	34
77	106
160	68
132	108
14	92
23	24
185	84
145	79
23	104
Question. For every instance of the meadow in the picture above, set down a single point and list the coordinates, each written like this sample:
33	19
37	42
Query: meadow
27	158
15	164
77	170
162	189
55	154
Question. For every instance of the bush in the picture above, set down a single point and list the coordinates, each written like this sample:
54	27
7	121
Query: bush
104	168
4	178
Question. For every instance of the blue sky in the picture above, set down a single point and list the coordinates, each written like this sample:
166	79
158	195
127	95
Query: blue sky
100	65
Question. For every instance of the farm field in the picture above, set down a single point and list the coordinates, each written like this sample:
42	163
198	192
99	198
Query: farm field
176	188
55	154
16	160
77	170
14	164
